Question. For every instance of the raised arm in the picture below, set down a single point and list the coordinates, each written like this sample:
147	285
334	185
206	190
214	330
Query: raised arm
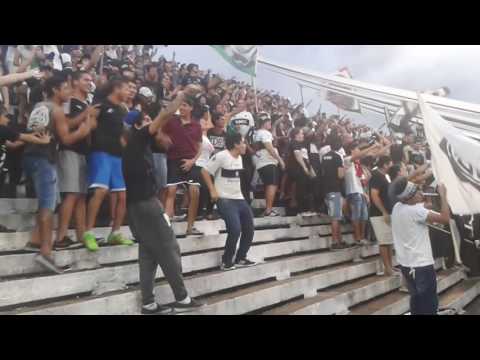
10	79
164	115
444	216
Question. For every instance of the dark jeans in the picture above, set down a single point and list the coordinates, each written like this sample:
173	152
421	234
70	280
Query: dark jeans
304	190
246	177
157	245
422	286
238	218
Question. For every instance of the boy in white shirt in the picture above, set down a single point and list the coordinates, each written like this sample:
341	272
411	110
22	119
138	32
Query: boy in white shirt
227	167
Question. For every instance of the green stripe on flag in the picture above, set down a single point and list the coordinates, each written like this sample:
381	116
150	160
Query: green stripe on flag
242	57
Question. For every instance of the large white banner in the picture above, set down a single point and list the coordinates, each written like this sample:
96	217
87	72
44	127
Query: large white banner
343	102
455	161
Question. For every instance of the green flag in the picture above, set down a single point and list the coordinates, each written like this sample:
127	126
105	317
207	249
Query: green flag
243	57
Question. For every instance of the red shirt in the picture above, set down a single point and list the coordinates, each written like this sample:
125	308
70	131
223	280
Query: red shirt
185	138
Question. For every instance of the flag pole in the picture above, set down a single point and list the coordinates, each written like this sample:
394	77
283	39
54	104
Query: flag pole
255	82
301	93
255	92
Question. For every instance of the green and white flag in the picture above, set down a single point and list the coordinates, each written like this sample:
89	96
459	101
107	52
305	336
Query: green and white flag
243	57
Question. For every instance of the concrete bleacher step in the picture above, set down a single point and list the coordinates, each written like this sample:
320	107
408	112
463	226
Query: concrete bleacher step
51	288
460	295
397	303
256	297
81	259
17	241
16	206
340	298
26	221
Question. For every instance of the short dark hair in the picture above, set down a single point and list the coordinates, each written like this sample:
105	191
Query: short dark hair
394	171
54	82
382	160
233	139
191	66
114	83
78	74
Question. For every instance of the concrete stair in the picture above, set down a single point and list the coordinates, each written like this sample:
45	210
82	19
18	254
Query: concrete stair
297	273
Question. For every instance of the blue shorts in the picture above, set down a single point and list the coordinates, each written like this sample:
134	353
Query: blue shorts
105	171
334	205
45	181
358	207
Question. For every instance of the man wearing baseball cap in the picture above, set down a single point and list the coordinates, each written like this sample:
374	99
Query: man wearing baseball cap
412	245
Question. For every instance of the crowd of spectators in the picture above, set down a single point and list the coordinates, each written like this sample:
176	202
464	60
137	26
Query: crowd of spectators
64	109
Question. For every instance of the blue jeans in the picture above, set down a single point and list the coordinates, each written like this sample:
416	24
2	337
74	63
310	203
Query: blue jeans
422	286
358	206
238	218
334	205
45	181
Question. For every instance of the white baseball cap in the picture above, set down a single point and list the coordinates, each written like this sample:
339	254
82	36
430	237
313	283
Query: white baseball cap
145	92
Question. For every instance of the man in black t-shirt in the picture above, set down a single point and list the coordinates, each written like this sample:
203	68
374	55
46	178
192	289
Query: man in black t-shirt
380	211
149	224
332	174
105	163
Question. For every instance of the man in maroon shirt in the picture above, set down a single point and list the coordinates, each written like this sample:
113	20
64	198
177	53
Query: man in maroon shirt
186	138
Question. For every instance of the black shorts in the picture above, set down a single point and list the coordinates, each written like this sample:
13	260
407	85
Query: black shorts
176	176
269	175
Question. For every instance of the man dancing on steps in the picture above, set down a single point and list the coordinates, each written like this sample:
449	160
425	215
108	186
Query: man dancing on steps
148	222
227	167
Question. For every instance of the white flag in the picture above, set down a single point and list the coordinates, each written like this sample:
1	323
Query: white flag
243	57
455	161
343	102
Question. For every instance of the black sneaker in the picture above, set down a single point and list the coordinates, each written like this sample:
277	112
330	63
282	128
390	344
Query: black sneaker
337	246
227	267
245	263
65	243
158	310
48	264
191	306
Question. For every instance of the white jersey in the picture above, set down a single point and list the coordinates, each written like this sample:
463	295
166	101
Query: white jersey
263	157
206	152
226	169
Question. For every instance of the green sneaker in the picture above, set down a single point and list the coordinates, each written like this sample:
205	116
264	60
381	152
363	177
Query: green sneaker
90	241
119	239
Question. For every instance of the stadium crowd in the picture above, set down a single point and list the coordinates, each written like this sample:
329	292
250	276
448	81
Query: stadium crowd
94	124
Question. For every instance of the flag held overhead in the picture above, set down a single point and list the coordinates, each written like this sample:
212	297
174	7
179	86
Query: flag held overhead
242	57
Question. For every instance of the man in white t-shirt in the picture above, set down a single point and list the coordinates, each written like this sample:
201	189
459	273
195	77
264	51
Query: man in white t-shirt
355	191
412	243
266	161
244	123
226	167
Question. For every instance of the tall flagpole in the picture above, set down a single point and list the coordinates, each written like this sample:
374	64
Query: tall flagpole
255	82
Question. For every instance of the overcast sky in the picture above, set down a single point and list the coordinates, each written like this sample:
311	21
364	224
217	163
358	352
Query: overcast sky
411	67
